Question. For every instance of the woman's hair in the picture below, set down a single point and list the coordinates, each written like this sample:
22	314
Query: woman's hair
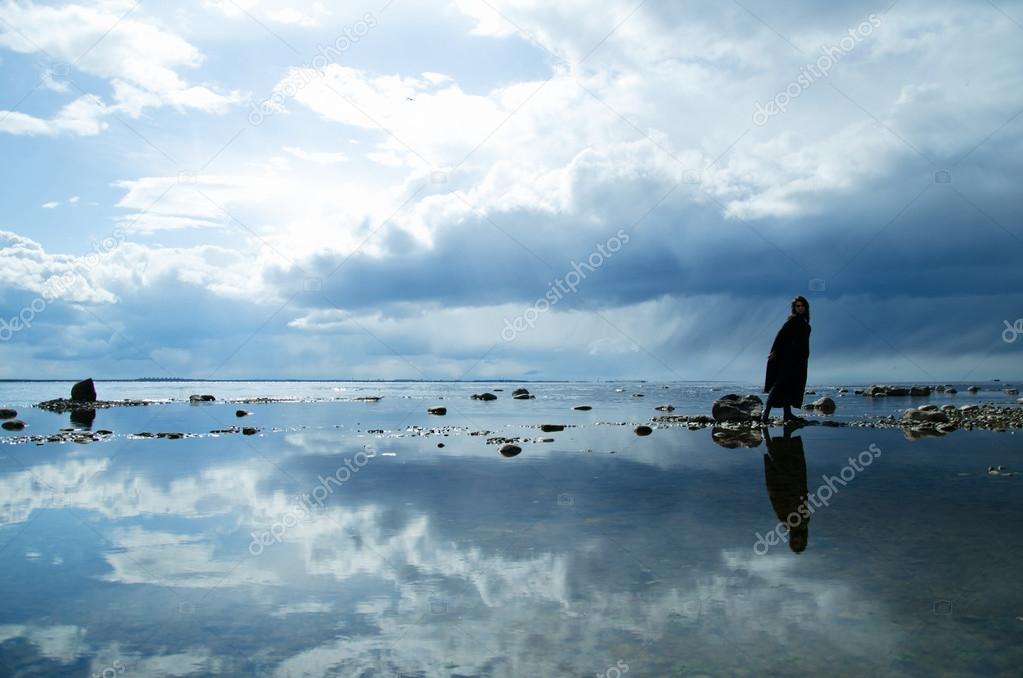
806	303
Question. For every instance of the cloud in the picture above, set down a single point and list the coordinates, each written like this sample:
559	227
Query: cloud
318	157
137	57
81	117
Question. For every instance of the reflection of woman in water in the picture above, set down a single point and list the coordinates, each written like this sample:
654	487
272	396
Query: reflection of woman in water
785	476
786	363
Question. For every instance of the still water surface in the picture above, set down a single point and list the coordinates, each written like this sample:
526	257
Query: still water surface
318	547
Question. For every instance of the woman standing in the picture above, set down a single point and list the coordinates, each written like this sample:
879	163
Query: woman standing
786	363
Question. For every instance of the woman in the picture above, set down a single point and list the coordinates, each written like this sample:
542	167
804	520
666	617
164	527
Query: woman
786	363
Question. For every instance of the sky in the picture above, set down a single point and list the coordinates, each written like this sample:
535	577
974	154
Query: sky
484	189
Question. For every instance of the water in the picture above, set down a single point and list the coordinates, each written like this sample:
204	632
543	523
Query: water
320	548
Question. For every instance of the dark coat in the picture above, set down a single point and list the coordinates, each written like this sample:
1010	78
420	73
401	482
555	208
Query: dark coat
786	372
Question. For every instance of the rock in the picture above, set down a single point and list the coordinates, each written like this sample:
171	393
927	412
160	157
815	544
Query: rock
524	396
483	396
972	389
811	392
520	391
897	391
643	430
84	391
249	431
201	399
939	389
551	428
665	408
638	395
928	416
8	414
438	410
824	405
734	407
242	413
510	450
1012	391
950	390
14	424
582	408
927	408
440	444
546	440
968	409
919	390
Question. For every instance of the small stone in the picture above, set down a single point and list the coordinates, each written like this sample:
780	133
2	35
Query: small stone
665	408
14	425
582	408
483	396
552	428
643	430
438	410
8	414
242	413
249	431
510	450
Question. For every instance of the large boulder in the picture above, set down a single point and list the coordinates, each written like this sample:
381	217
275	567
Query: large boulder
520	391
824	405
84	391
919	390
734	407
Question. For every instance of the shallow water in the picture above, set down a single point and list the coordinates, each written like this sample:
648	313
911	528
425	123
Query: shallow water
320	548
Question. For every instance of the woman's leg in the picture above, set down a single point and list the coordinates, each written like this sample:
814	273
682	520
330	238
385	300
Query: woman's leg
766	416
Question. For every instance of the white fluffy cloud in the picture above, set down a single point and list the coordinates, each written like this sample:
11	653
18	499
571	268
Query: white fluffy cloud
105	39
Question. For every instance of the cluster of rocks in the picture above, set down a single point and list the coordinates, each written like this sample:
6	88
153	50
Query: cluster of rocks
63	436
883	390
932	420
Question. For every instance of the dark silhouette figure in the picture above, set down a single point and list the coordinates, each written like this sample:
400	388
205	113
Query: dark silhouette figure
786	364
785	476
